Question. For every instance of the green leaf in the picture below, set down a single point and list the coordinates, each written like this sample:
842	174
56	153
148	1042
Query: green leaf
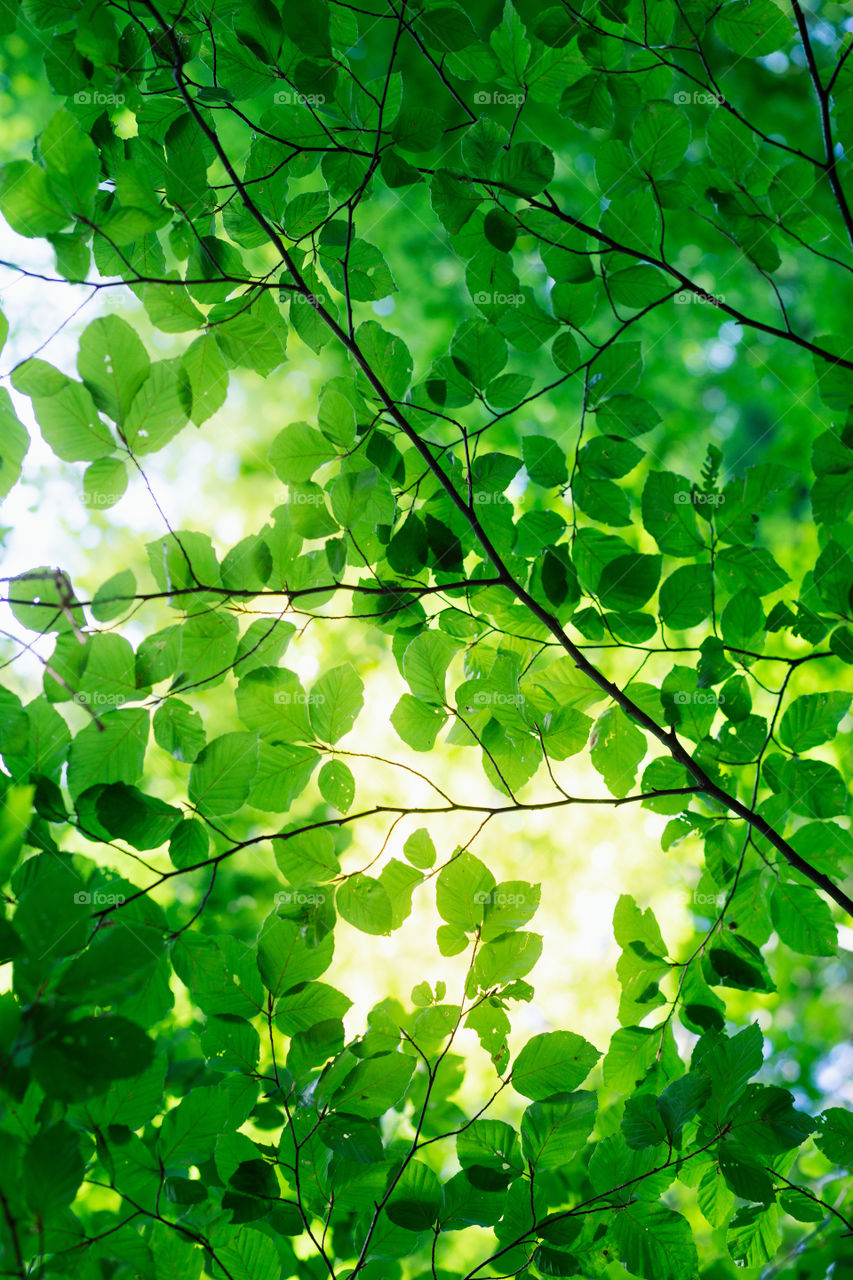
222	773
263	643
134	1101
626	416
335	701
642	1125
425	664
14	820
159	409
185	560
714	1197
221	973
388	355
190	1130
462	890
189	844
337	785
750	568
660	137
681	1100
375	1085
365	903
742	620
14	444
178	729
111	750
416	1199
308	28
283	773
753	1236
633	925
418	723
446	28
765	1120
337	416
249	1255
668	514
129	814
104	483
53	1169
452	199
208	377
361	496
732	145
419	849
655	1242
509	906
116	964
73	164
507	958
803	919
617	747
801	1206
686	596
479	352
544	461
271	701
28	200
70	424
510	44
835	1138
617	369
526	168
298	451
737	963
284	958
489	1145
565	354
89	1053
113	363
307	856
552	1063
602	500
753	27
553	1132
629	581
303	1008
637	286
812	719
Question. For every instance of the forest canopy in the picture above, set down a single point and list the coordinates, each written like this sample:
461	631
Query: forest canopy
436	422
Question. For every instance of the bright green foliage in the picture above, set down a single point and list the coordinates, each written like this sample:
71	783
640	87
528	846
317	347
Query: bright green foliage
489	226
